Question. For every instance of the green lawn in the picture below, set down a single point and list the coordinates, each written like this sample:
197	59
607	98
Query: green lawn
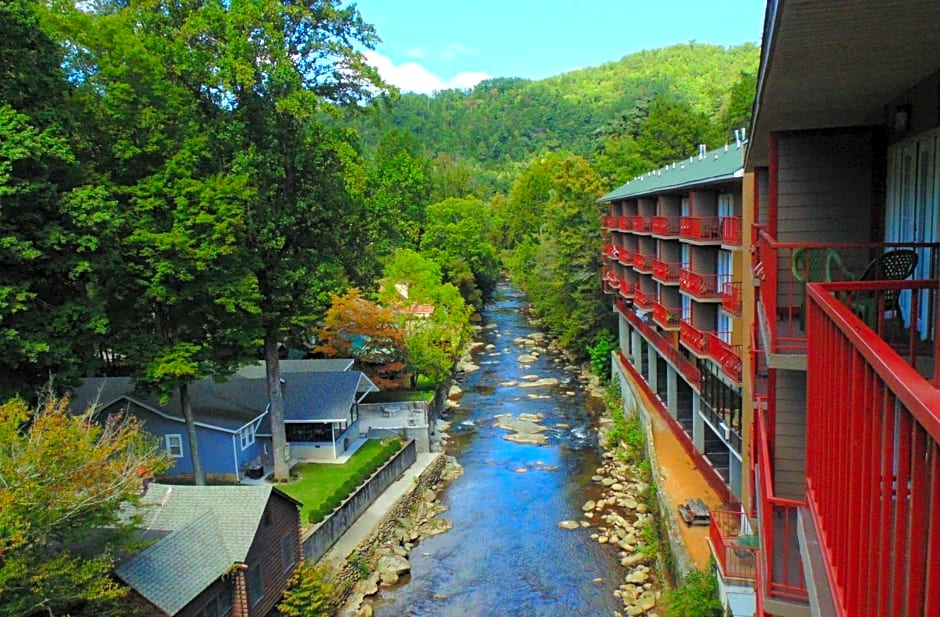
318	482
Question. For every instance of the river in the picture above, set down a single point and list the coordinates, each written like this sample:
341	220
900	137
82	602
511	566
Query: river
506	554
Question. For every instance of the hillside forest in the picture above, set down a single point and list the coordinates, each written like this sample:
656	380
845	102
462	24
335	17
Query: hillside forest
189	187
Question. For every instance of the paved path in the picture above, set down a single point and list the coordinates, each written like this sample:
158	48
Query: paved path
365	525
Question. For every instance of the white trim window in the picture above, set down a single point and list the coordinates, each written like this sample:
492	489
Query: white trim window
247	435
174	445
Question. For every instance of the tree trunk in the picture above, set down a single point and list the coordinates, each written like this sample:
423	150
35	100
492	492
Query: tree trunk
187	406
276	408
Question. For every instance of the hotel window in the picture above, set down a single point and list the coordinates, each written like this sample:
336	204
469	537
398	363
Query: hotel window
174	445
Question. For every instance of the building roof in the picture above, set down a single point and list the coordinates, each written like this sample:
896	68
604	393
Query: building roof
717	165
838	63
201	532
316	365
323	397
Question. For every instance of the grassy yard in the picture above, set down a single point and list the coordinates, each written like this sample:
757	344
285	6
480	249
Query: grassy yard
319	482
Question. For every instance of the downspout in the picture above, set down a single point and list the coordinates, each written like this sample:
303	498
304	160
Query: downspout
235	438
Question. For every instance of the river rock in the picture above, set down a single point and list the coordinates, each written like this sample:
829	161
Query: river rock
638	576
519	425
532	439
569	525
647	600
526	358
454	391
589	505
539	383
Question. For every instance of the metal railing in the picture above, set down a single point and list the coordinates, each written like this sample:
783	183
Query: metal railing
701	286
872	459
640	224
731	297
727	356
699	229
735	559
693	338
667	226
666	272
666	316
731	230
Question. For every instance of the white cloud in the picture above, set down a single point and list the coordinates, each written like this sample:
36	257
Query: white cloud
415	52
456	49
413	77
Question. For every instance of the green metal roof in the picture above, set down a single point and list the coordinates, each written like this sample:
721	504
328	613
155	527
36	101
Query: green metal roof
720	164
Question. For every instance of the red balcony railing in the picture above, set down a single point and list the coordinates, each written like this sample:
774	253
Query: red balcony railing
666	226
611	282
624	223
693	338
643	299
731	230
608	250
872	462
731	297
642	263
666	316
641	224
699	229
736	560
625	256
626	289
783	268
700	286
608	221
664	346
666	272
781	564
728	356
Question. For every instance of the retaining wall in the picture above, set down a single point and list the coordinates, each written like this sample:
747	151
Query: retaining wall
318	541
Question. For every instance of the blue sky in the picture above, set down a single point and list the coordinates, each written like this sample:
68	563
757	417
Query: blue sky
431	45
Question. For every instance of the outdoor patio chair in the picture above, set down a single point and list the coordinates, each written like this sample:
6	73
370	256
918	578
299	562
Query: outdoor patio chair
894	265
815	265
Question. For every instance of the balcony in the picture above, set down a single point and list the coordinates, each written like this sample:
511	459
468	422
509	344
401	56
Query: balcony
642	263
663	345
781	563
609	251
625	256
624	223
693	338
700	229
643	299
727	356
626	289
641	224
731	297
702	287
611	282
608	221
730	545
730	231
872	459
666	272
665	226
666	317
783	268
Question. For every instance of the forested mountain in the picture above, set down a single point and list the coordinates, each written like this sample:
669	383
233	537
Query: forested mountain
506	120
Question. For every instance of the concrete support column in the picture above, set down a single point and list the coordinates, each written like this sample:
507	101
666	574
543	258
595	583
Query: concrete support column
651	359
672	394
636	349
698	424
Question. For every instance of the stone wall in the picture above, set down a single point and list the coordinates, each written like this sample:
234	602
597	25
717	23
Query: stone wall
318	541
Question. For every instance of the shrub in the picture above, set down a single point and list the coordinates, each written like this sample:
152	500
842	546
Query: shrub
696	596
313	591
600	355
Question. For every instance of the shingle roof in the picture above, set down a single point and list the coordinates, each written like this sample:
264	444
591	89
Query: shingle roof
208	529
717	165
322	396
320	365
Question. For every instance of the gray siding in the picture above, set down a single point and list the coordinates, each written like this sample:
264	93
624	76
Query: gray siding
790	443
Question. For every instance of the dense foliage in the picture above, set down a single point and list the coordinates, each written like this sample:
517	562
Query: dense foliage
64	481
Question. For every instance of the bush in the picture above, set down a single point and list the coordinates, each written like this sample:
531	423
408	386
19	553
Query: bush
696	596
600	355
313	591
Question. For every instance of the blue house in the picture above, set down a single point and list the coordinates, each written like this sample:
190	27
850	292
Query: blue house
233	430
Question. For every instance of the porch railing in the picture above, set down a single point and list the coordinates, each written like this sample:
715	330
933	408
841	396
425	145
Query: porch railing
642	263
664	346
731	230
872	462
666	316
611	282
782	269
640	224
666	272
781	563
693	338
666	226
699	228
701	286
727	356
735	559
643	299
625	256
626	289
608	221
731	297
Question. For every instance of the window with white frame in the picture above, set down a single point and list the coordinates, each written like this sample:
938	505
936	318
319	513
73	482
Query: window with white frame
247	436
174	445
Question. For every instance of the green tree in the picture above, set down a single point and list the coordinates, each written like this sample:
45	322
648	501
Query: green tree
55	225
737	113
673	130
64	481
400	187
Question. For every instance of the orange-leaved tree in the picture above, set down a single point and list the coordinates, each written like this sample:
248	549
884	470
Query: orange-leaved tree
355	327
